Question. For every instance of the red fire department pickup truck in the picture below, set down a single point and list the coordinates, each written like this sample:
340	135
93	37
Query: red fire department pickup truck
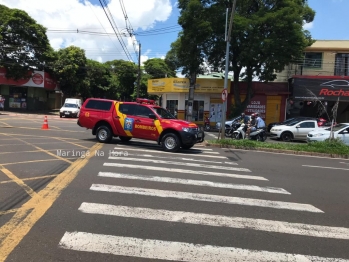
142	119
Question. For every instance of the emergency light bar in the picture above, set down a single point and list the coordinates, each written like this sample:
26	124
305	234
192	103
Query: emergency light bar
145	101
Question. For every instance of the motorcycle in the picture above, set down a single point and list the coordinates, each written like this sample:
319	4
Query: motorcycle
230	130
207	124
258	135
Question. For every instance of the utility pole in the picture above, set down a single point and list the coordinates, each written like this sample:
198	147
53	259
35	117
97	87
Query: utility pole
139	70
192	81
227	39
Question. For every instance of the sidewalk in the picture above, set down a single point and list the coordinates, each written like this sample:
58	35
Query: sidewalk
52	112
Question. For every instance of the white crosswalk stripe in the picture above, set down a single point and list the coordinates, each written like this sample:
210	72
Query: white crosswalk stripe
156	161
205	197
142	164
181	158
191	153
194	182
174	251
217	221
185	171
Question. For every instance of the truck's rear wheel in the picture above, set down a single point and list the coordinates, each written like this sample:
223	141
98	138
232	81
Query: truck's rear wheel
125	138
103	134
170	142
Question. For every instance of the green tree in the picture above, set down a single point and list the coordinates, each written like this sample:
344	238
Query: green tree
267	35
158	68
23	43
71	71
124	76
99	79
196	29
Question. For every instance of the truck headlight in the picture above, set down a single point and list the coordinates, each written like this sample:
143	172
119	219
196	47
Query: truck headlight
186	129
317	135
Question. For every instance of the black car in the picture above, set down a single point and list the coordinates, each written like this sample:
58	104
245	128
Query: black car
271	125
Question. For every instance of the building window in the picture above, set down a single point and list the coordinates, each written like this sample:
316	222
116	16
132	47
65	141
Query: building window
312	60
198	110
341	67
172	106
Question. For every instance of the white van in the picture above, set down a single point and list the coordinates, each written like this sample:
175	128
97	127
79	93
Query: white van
71	108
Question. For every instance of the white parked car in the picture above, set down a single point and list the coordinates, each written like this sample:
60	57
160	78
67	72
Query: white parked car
340	131
69	110
294	130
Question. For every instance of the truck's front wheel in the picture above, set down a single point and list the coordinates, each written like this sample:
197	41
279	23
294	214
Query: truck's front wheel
170	142
103	134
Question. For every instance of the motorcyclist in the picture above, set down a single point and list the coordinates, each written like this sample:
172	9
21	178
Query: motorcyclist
260	121
252	126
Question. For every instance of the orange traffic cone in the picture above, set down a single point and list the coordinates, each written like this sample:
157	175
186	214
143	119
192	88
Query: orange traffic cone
45	125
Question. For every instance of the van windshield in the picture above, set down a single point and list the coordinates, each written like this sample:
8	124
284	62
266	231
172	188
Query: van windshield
70	105
163	113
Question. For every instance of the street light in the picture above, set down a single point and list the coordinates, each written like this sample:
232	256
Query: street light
227	39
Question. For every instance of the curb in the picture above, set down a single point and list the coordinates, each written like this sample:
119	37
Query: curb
291	152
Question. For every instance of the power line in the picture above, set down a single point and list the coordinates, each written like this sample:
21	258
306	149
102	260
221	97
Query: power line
116	31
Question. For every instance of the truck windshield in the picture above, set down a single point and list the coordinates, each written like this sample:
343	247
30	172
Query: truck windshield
337	127
70	105
163	113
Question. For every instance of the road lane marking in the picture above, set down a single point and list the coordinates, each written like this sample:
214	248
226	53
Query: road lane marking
185	171
72	143
272	190
217	220
34	161
326	167
28	179
34	128
17	228
8	212
40	137
192	153
41	149
43	143
18	181
156	161
179	158
205	197
174	251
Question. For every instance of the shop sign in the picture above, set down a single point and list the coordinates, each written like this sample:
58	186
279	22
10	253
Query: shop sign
35	79
181	85
323	89
257	104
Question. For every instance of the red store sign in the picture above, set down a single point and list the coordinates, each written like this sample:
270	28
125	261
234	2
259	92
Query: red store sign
258	104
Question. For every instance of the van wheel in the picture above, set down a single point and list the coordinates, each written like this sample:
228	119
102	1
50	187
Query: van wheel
125	138
103	134
170	142
286	136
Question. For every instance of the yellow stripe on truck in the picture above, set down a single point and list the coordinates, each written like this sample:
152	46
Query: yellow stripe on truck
158	126
121	118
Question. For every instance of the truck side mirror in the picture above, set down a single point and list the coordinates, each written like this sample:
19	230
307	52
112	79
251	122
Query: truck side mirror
152	116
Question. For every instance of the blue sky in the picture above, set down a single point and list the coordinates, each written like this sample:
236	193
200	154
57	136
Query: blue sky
154	22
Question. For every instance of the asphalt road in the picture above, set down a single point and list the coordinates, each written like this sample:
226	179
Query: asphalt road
134	202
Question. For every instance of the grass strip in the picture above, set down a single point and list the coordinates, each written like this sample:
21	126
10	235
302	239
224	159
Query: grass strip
327	147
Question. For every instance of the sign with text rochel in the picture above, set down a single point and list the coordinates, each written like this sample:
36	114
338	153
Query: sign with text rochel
257	104
323	89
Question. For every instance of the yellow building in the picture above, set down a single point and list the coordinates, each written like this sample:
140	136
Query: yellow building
174	92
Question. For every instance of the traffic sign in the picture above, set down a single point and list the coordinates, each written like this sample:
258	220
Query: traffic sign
224	94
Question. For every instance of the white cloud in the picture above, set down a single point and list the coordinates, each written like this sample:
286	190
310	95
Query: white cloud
74	14
308	26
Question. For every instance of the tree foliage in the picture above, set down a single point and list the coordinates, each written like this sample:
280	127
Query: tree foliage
24	45
158	68
124	76
266	36
71	71
190	47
